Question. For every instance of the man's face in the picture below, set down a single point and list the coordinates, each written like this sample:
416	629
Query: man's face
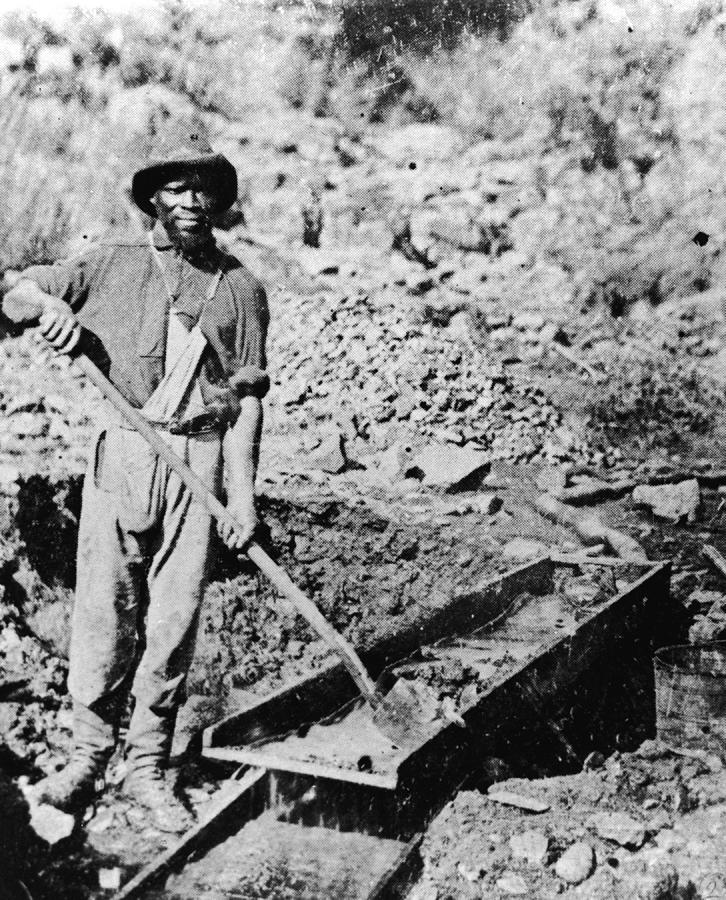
183	205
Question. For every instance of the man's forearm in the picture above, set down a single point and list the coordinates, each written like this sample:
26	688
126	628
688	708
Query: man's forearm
242	450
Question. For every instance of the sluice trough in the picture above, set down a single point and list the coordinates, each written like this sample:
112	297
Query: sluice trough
327	807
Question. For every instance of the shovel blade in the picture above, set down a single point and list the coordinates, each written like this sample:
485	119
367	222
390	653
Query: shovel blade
406	713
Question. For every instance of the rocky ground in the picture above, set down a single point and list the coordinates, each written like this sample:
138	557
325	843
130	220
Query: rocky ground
381	505
403	460
374	540
478	300
647	824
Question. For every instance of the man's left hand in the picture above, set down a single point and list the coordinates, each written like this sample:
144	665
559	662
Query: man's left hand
244	513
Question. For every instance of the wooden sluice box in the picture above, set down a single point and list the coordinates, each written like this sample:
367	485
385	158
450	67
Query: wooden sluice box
500	660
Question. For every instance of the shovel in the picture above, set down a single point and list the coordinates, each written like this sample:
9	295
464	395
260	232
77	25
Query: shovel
394	714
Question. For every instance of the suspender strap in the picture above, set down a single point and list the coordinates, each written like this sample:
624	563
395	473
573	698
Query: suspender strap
211	289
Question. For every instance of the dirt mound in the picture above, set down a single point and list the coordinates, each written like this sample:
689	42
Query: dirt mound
649	817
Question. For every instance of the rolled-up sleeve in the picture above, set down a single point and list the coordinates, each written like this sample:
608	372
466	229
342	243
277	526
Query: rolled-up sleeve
68	279
250	377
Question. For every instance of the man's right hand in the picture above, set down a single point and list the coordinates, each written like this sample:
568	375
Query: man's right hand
58	326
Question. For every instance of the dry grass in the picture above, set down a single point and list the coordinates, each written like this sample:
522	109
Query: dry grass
53	182
614	102
84	108
655	404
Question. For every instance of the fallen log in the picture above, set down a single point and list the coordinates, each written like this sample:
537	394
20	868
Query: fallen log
591	529
705	479
599	490
595	491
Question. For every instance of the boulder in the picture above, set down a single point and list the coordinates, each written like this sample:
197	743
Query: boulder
447	467
405	404
54	60
9	478
109	879
424	890
510	798
521	549
485	504
513	884
50	823
330	456
576	864
531	846
619	828
14	52
671	501
703	599
27	424
529	321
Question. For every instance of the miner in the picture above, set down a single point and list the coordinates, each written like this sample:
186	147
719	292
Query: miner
179	328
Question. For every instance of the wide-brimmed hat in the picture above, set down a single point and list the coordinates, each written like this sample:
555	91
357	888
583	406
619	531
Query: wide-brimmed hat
176	156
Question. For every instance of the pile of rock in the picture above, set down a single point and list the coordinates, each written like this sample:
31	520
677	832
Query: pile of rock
46	411
380	377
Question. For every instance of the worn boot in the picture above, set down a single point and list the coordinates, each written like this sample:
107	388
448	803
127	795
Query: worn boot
77	784
148	747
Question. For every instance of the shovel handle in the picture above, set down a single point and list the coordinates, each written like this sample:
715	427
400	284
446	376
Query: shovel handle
275	573
23	307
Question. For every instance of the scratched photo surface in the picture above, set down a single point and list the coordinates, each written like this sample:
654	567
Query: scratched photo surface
362	469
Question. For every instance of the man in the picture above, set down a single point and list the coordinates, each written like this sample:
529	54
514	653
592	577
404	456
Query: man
179	327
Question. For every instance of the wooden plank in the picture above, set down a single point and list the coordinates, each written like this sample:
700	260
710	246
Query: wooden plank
317	695
239	801
712	554
275	761
582	559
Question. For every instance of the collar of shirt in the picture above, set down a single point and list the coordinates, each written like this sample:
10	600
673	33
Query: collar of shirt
160	237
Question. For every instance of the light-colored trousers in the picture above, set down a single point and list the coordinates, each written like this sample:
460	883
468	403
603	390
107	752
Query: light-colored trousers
143	550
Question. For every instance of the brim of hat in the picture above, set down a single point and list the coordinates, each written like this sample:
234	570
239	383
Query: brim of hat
148	180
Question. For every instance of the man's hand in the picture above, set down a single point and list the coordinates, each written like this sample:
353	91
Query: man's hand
58	326
244	512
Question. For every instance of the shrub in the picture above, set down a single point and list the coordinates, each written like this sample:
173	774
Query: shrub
658	403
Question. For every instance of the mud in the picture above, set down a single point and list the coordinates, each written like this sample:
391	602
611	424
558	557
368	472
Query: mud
344	741
448	678
367	573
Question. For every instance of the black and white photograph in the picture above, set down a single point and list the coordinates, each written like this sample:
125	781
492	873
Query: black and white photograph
363	449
